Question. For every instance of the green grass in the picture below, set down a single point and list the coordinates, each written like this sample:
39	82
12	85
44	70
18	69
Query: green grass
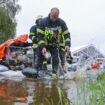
97	89
92	92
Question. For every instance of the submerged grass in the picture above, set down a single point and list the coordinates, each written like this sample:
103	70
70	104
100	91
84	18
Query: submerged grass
51	100
63	100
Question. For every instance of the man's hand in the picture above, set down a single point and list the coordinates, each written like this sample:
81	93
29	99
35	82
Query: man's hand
44	51
67	48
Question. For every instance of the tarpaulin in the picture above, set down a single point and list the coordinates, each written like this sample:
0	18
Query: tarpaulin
96	65
21	39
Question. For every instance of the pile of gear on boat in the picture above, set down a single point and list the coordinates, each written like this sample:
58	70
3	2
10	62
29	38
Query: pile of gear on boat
22	57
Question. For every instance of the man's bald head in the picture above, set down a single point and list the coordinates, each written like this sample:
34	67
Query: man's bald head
54	14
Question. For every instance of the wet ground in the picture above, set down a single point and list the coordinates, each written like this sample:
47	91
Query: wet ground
27	91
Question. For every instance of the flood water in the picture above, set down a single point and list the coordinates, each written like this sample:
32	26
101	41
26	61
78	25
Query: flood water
29	91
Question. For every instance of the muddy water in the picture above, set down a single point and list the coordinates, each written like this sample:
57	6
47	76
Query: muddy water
34	92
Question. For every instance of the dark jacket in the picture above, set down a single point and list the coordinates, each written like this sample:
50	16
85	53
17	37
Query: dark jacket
33	36
49	32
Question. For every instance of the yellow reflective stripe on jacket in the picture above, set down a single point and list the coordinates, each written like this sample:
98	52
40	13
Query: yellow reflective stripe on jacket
32	33
34	46
67	40
62	44
65	32
33	37
41	42
60	31
50	44
63	49
63	39
40	31
44	62
68	58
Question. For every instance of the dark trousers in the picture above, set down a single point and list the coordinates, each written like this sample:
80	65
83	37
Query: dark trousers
54	55
55	58
41	60
35	55
62	55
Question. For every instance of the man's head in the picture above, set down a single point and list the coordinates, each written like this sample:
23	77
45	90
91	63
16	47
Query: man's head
54	14
38	19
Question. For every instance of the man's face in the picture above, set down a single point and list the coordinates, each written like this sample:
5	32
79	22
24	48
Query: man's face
54	15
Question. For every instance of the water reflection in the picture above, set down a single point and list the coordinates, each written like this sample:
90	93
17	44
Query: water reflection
11	92
31	92
36	92
47	92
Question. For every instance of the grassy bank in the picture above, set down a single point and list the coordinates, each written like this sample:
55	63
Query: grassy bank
97	89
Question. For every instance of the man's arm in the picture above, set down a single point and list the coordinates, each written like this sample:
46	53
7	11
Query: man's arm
66	35
32	35
41	37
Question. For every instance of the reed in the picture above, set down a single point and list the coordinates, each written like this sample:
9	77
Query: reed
90	92
97	90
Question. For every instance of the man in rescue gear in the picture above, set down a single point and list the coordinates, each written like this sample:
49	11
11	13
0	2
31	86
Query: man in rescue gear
49	35
63	54
33	36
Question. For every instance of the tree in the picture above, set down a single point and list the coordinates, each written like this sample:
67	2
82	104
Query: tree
8	11
11	6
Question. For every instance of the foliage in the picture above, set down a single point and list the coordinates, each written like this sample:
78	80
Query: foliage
8	10
91	91
98	90
7	26
11	6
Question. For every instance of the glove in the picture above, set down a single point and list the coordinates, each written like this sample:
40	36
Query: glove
67	49
44	51
34	46
69	58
